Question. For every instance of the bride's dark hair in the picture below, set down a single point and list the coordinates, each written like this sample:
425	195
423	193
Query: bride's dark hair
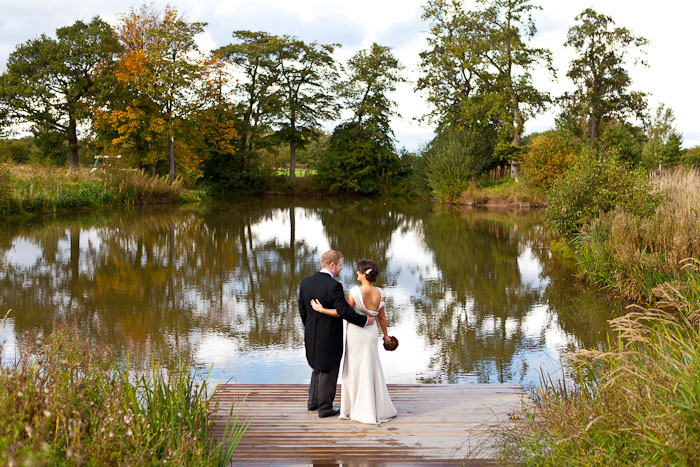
369	269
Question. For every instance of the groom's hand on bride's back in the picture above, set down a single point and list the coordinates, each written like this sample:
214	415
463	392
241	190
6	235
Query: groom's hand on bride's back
370	321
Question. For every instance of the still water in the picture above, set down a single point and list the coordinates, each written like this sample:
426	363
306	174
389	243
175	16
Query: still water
472	296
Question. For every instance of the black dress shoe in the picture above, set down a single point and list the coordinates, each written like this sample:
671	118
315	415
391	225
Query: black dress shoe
332	413
312	408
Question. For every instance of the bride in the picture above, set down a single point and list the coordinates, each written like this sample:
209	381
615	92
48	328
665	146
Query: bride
364	397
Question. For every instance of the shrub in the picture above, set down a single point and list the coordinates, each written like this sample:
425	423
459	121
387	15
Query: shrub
691	158
455	157
592	187
621	141
8	204
548	158
359	160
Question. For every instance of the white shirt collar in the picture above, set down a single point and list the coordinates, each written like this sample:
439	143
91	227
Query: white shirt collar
327	272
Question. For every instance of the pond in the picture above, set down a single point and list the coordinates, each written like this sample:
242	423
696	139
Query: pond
472	296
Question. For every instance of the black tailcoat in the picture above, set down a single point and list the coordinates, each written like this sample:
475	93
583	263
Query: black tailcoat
323	334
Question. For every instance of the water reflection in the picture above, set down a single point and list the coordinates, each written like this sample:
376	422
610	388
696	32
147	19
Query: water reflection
473	296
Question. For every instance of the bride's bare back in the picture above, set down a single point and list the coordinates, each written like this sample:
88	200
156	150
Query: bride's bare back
371	296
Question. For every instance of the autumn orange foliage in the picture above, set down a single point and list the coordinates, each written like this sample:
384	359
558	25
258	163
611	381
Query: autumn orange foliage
549	156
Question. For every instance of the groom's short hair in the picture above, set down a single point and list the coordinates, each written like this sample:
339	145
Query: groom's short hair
329	257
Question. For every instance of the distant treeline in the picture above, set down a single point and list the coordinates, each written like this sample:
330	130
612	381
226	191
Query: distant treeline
232	118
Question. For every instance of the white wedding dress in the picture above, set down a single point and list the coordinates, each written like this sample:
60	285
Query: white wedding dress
364	397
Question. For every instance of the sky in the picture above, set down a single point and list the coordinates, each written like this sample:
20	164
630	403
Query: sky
670	26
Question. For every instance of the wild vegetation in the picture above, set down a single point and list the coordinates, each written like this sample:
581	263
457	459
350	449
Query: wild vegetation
145	91
635	403
65	400
31	189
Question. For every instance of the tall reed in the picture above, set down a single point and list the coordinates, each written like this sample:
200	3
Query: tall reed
633	254
65	402
638	403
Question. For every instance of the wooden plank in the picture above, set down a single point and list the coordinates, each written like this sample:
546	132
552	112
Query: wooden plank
436	424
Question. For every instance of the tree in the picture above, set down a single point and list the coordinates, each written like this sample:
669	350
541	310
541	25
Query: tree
599	73
358	159
255	54
671	151
371	75
361	156
478	70
307	76
658	132
447	65
158	77
50	83
507	61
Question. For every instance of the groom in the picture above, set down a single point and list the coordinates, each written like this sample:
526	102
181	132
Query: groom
323	335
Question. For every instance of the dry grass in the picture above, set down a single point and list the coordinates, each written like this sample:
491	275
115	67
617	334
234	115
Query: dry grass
636	404
633	254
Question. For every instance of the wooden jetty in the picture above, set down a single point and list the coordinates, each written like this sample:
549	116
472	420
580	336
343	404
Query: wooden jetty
449	424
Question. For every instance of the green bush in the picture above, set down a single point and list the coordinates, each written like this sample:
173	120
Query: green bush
621	141
593	186
455	157
548	157
691	158
358	160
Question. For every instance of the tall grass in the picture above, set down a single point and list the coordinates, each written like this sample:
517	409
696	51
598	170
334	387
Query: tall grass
636	404
26	188
64	402
633	254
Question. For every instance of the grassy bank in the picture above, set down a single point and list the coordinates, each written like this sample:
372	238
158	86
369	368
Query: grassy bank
638	403
33	189
66	403
632	254
503	192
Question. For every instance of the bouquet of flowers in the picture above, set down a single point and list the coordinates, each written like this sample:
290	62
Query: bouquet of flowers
392	344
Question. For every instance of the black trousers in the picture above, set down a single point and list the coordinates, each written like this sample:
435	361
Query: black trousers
322	390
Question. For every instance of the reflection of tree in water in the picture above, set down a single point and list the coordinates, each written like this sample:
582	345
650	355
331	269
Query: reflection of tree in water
473	315
362	229
152	281
479	288
149	279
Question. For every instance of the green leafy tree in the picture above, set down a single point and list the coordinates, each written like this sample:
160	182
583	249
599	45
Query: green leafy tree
50	83
506	60
671	151
448	67
599	71
255	53
658	132
361	156
481	63
358	159
307	76
621	141
371	75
